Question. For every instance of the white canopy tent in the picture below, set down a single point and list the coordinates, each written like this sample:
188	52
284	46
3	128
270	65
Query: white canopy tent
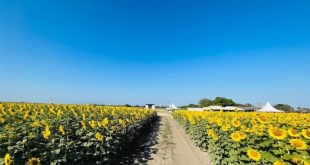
268	108
171	107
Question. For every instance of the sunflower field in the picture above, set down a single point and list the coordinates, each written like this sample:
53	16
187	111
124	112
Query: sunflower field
250	137
69	134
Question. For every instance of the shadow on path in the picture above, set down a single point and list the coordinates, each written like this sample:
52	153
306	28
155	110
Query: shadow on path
141	154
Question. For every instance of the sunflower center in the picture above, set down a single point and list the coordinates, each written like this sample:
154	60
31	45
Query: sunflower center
35	162
254	154
297	144
294	131
277	132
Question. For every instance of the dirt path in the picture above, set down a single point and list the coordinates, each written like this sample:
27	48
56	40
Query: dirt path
174	146
166	144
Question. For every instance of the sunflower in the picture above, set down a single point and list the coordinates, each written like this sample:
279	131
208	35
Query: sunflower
2	120
219	123
277	133
245	129
236	137
105	122
121	122
225	127
242	135
278	162
306	133
298	144
300	160
7	159
83	124
98	136
33	161
254	154
83	116
92	124
235	122
191	120
212	134
215	137
262	119
62	130
46	132
293	132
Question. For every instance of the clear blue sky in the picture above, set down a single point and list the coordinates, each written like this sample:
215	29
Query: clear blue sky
155	51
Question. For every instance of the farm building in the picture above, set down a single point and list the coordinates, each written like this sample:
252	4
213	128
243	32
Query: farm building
149	106
195	109
216	108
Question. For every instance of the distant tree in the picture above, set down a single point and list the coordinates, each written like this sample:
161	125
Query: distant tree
248	105
192	106
205	102
221	101
284	107
183	106
127	105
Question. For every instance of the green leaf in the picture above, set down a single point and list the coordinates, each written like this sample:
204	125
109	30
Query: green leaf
57	151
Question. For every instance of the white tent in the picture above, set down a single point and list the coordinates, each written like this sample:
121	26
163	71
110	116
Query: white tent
171	107
268	108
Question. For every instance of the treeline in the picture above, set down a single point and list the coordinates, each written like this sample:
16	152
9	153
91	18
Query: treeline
222	101
219	101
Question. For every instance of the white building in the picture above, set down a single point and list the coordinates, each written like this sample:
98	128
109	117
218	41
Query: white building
218	108
150	106
195	109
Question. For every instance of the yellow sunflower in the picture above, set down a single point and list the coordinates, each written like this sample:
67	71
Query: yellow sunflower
306	133
277	133
121	122
33	161
293	132
225	127
92	124
98	136
236	137
7	159
278	162
262	119
46	132
254	154
83	125
242	135
298	144
62	130
235	122
83	116
212	134
219	122
300	160
105	122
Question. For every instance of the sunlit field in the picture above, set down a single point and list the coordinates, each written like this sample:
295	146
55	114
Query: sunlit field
250	137
68	134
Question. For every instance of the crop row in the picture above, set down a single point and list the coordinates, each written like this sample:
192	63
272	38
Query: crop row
69	134
250	137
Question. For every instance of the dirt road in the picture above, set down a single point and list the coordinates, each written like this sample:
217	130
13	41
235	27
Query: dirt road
175	147
169	145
